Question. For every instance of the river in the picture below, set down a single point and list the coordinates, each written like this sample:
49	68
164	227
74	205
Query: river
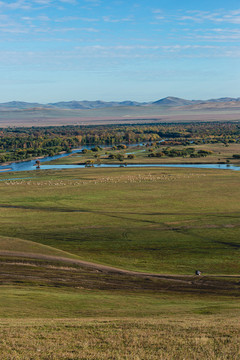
31	165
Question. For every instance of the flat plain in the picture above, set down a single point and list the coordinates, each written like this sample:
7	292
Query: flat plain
118	115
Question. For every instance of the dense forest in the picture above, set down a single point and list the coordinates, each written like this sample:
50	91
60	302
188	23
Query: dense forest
25	143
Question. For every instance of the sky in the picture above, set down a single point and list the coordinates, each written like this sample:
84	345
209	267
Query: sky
118	50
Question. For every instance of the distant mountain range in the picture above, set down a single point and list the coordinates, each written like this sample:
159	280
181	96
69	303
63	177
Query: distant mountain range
84	105
169	101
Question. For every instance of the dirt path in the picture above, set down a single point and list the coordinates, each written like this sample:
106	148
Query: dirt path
103	268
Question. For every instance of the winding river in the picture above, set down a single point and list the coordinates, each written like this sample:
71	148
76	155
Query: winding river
31	165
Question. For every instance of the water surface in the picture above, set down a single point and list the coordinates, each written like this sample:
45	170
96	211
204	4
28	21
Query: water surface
31	165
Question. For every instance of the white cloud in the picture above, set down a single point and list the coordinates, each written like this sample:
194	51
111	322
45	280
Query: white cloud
20	4
212	34
66	30
157	11
43	2
43	18
115	20
232	17
75	18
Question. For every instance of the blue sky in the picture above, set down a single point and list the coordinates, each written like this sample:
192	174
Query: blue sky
116	50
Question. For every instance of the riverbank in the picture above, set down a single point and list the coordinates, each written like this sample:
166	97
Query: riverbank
35	158
32	167
159	154
125	163
136	155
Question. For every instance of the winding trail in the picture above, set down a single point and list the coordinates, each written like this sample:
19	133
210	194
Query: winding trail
105	268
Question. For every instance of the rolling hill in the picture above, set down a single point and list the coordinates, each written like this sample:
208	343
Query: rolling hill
99	104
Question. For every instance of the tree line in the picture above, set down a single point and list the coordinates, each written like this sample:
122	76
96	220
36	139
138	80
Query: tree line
25	143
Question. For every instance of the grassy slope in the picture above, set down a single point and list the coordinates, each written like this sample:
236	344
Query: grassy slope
26	246
161	220
73	323
167	221
44	302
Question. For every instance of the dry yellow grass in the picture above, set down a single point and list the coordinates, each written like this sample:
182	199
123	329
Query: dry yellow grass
191	338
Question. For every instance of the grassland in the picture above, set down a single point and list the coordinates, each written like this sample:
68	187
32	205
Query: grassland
46	314
28	247
121	339
220	153
165	221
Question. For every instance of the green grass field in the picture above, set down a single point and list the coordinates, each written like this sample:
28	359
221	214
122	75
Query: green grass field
167	221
